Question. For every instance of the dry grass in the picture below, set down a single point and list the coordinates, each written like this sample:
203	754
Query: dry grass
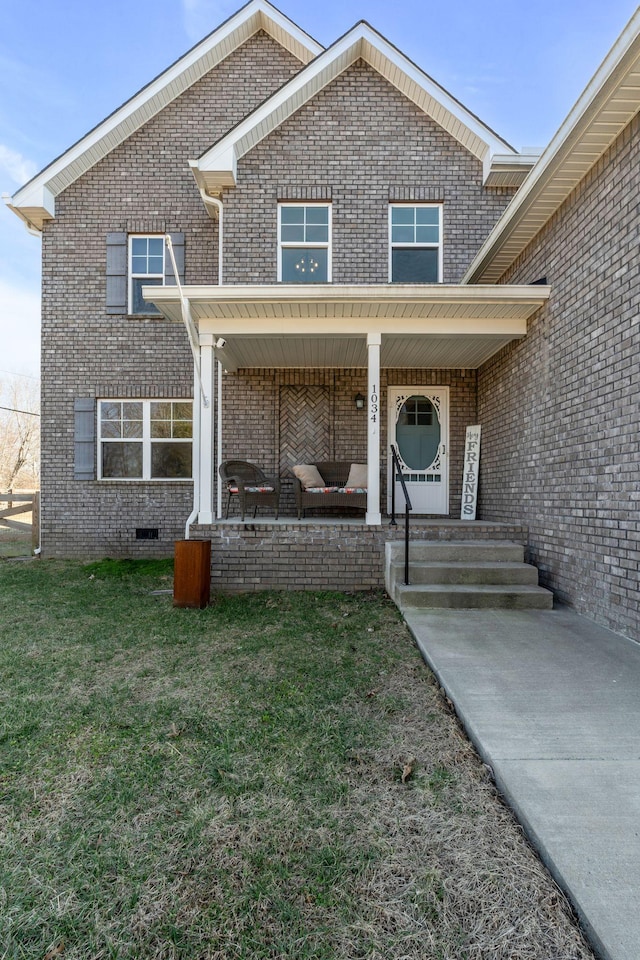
275	777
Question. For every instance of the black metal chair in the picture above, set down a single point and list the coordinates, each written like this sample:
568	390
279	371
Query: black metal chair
251	485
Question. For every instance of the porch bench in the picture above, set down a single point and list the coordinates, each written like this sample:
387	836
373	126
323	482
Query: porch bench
333	492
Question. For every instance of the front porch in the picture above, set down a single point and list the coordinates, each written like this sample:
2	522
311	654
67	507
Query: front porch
278	368
323	553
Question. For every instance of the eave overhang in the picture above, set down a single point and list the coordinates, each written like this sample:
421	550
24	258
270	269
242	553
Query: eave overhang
215	170
35	202
607	105
439	325
507	170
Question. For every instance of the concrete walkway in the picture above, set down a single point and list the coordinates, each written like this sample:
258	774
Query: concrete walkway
552	704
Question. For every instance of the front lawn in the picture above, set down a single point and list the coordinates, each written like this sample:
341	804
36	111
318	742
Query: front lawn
277	776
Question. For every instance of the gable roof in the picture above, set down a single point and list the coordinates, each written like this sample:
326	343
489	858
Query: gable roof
35	202
607	105
216	168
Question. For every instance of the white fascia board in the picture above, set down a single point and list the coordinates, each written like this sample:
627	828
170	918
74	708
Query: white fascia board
357	43
533	294
38	205
219	176
509	170
270	16
620	59
255	15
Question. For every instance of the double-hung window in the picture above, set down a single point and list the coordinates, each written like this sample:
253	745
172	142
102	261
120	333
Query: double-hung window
146	268
415	254
145	439
304	247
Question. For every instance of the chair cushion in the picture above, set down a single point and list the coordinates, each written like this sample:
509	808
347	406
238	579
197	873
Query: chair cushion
357	476
247	489
322	489
308	475
352	490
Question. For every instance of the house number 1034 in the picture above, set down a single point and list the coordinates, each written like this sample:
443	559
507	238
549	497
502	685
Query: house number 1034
373	406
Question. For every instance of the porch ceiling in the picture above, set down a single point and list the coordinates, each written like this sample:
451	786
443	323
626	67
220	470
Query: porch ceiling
326	326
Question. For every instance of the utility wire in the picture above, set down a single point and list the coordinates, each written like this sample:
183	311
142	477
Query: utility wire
29	413
12	373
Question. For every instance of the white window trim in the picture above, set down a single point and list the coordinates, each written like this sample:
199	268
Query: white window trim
429	246
145	439
131	276
290	244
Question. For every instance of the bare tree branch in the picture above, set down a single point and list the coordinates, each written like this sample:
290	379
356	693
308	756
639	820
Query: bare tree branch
19	434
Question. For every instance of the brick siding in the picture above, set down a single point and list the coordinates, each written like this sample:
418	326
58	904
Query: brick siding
327	556
361	143
247	437
559	409
144	185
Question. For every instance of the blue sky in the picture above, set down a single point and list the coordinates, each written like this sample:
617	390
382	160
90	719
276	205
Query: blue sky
66	65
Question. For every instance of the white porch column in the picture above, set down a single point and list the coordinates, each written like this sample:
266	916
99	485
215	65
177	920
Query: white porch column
373	516
219	442
207	362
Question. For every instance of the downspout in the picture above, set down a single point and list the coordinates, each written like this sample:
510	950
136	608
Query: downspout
211	201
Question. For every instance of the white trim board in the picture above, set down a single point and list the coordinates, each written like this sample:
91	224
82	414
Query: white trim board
216	168
35	202
609	102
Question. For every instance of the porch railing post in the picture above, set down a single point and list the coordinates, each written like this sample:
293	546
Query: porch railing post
397	470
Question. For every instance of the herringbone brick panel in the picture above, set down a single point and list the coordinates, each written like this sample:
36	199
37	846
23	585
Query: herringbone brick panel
305	429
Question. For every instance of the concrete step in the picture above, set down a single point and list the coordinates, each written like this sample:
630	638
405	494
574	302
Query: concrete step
474	596
482	571
450	551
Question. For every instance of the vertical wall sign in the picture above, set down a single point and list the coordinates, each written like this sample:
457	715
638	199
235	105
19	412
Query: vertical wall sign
470	474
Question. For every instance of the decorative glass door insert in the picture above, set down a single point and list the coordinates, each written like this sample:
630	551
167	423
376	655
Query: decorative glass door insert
419	427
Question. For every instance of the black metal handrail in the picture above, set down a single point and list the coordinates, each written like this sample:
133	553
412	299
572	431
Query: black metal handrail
397	470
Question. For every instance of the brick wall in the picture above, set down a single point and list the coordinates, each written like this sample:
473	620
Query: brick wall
144	185
250	437
358	141
360	144
559	409
340	556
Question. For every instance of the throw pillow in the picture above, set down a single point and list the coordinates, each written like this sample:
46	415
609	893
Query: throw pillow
308	475
357	475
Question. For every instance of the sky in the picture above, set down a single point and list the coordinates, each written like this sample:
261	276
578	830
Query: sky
66	64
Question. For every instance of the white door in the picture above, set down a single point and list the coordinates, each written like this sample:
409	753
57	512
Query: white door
419	428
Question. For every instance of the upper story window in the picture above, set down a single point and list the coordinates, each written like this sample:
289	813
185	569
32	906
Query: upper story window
415	243
304	247
146	268
145	439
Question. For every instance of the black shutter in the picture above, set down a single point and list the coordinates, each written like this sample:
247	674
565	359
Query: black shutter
177	242
117	273
84	439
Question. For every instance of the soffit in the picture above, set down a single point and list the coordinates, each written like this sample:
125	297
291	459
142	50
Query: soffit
35	201
424	351
606	107
213	168
421	326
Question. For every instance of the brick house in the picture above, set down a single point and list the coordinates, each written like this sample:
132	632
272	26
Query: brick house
355	252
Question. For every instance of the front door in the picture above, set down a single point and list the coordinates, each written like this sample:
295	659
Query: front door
419	427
